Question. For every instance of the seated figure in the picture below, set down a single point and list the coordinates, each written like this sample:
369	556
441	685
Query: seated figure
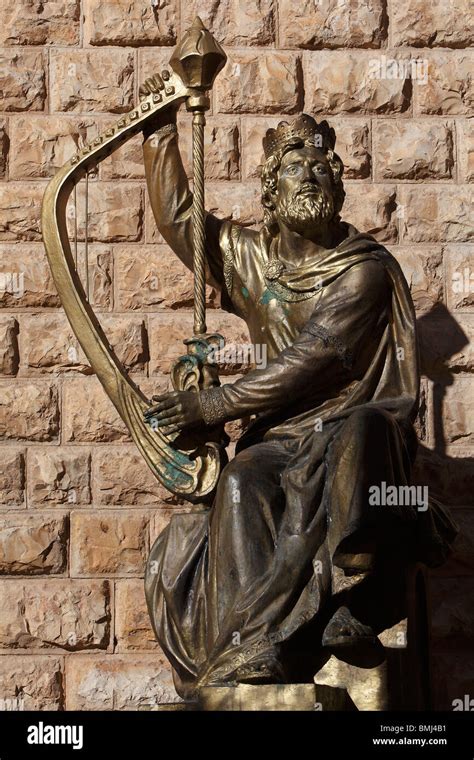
250	590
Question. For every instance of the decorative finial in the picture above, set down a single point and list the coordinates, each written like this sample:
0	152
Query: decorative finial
198	58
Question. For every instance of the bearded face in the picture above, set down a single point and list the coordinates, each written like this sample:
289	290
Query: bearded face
305	195
306	208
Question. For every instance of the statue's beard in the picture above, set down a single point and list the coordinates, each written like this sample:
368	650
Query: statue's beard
302	212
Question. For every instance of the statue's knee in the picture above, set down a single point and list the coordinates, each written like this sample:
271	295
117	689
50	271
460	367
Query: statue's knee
234	475
370	419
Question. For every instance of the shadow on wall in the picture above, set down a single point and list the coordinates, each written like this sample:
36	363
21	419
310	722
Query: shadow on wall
451	481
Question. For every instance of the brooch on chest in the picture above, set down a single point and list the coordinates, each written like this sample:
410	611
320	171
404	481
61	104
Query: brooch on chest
273	270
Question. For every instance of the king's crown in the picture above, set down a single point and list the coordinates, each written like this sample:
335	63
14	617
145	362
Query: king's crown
302	129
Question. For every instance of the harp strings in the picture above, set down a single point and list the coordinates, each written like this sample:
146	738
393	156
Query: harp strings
86	235
75	225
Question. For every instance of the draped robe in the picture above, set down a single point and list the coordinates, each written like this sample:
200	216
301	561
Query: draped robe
333	415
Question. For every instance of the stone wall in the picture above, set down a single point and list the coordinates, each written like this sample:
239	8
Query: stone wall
78	508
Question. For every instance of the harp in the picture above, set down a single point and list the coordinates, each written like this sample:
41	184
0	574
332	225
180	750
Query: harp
188	466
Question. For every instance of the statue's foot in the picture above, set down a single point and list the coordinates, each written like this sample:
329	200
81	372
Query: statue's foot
344	630
263	670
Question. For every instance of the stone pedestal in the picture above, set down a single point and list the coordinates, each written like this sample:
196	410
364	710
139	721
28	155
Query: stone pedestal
398	678
393	677
274	697
247	697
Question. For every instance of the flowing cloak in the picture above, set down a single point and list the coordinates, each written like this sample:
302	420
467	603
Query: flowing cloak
334	410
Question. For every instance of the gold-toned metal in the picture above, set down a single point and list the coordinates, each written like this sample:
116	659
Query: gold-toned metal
192	472
198	225
198	58
244	591
198	102
75	226
86	236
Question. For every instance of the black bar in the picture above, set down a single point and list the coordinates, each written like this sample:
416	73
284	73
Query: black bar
154	734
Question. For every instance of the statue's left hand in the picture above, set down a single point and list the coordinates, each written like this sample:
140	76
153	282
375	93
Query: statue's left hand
176	411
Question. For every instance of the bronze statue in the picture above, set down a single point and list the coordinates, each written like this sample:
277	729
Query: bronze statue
285	554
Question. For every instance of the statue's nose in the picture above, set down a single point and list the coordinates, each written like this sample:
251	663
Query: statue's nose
307	173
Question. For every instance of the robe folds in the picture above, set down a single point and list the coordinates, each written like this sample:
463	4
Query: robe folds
333	416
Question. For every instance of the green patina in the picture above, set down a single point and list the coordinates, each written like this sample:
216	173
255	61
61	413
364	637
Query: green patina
245	293
268	296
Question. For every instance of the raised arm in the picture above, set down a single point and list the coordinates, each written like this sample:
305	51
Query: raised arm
171	199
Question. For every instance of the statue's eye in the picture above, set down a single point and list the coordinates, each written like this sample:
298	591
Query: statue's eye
293	169
320	169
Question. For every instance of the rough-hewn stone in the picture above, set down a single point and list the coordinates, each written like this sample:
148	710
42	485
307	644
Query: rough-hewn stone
423	270
448	88
8	345
458	412
84	80
133	629
446	344
373	211
59	476
110	543
235	23
49	344
127	682
395	82
332	24
122	478
459	277
20	211
4	147
38	23
32	683
466	149
115	212
12	478
416	23
453	676
414	150
436	214
55	614
154	280
23	80
221	148
29	411
40	145
33	544
130	22
95	418
25	277
349	82
258	82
